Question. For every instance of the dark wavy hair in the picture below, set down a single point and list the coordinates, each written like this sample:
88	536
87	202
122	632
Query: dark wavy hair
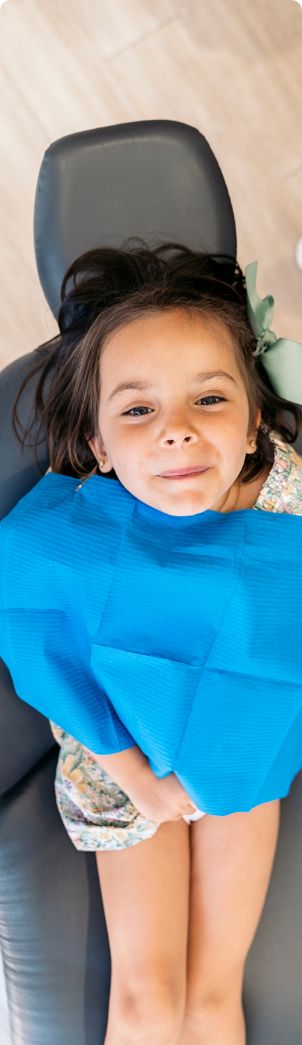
111	287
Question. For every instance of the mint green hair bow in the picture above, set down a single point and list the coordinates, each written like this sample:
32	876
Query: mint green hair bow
281	358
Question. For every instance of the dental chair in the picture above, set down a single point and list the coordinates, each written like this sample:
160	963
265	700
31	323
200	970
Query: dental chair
158	180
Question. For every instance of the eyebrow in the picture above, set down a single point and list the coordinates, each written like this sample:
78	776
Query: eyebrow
204	375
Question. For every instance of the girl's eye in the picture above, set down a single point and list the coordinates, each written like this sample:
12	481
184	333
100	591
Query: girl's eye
220	399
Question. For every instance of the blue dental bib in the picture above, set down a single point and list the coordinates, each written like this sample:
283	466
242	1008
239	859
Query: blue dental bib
182	634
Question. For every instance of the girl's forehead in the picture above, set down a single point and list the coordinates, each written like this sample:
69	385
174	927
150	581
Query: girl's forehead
137	367
172	328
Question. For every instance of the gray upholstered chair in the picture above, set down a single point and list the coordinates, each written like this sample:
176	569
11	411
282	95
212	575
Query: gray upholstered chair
157	179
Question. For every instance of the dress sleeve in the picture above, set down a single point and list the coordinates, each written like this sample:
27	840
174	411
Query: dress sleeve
48	656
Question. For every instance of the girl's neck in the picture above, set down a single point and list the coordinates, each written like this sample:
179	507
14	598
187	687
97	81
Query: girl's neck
245	495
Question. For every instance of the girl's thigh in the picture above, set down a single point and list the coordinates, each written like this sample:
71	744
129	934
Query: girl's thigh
231	864
145	892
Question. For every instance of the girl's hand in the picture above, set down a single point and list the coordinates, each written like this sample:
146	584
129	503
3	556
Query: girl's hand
161	799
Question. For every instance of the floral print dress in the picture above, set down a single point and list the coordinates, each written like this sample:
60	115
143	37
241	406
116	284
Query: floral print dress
96	813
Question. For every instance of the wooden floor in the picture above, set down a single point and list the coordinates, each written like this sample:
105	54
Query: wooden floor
231	68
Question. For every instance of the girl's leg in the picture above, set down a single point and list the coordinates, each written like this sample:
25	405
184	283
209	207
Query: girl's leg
145	892
231	864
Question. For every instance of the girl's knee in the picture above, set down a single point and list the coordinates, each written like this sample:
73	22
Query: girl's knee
144	1015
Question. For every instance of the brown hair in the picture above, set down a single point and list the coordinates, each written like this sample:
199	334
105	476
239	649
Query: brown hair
117	286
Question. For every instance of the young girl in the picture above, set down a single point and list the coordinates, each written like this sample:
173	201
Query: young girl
159	367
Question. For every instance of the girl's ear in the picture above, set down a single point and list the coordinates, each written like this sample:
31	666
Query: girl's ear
96	448
258	417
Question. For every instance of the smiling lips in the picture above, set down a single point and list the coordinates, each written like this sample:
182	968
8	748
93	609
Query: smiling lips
182	473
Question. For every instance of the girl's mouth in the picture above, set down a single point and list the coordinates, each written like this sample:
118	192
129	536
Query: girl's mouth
185	475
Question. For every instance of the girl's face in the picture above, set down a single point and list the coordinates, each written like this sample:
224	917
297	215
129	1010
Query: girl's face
179	419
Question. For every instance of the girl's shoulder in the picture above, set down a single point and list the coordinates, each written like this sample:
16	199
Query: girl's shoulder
282	490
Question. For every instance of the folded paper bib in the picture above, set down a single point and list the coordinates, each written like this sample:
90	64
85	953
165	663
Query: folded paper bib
182	634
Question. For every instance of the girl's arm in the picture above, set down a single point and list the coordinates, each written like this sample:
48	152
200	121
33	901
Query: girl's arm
126	768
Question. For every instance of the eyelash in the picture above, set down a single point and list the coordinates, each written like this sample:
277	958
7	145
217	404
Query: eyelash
128	412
